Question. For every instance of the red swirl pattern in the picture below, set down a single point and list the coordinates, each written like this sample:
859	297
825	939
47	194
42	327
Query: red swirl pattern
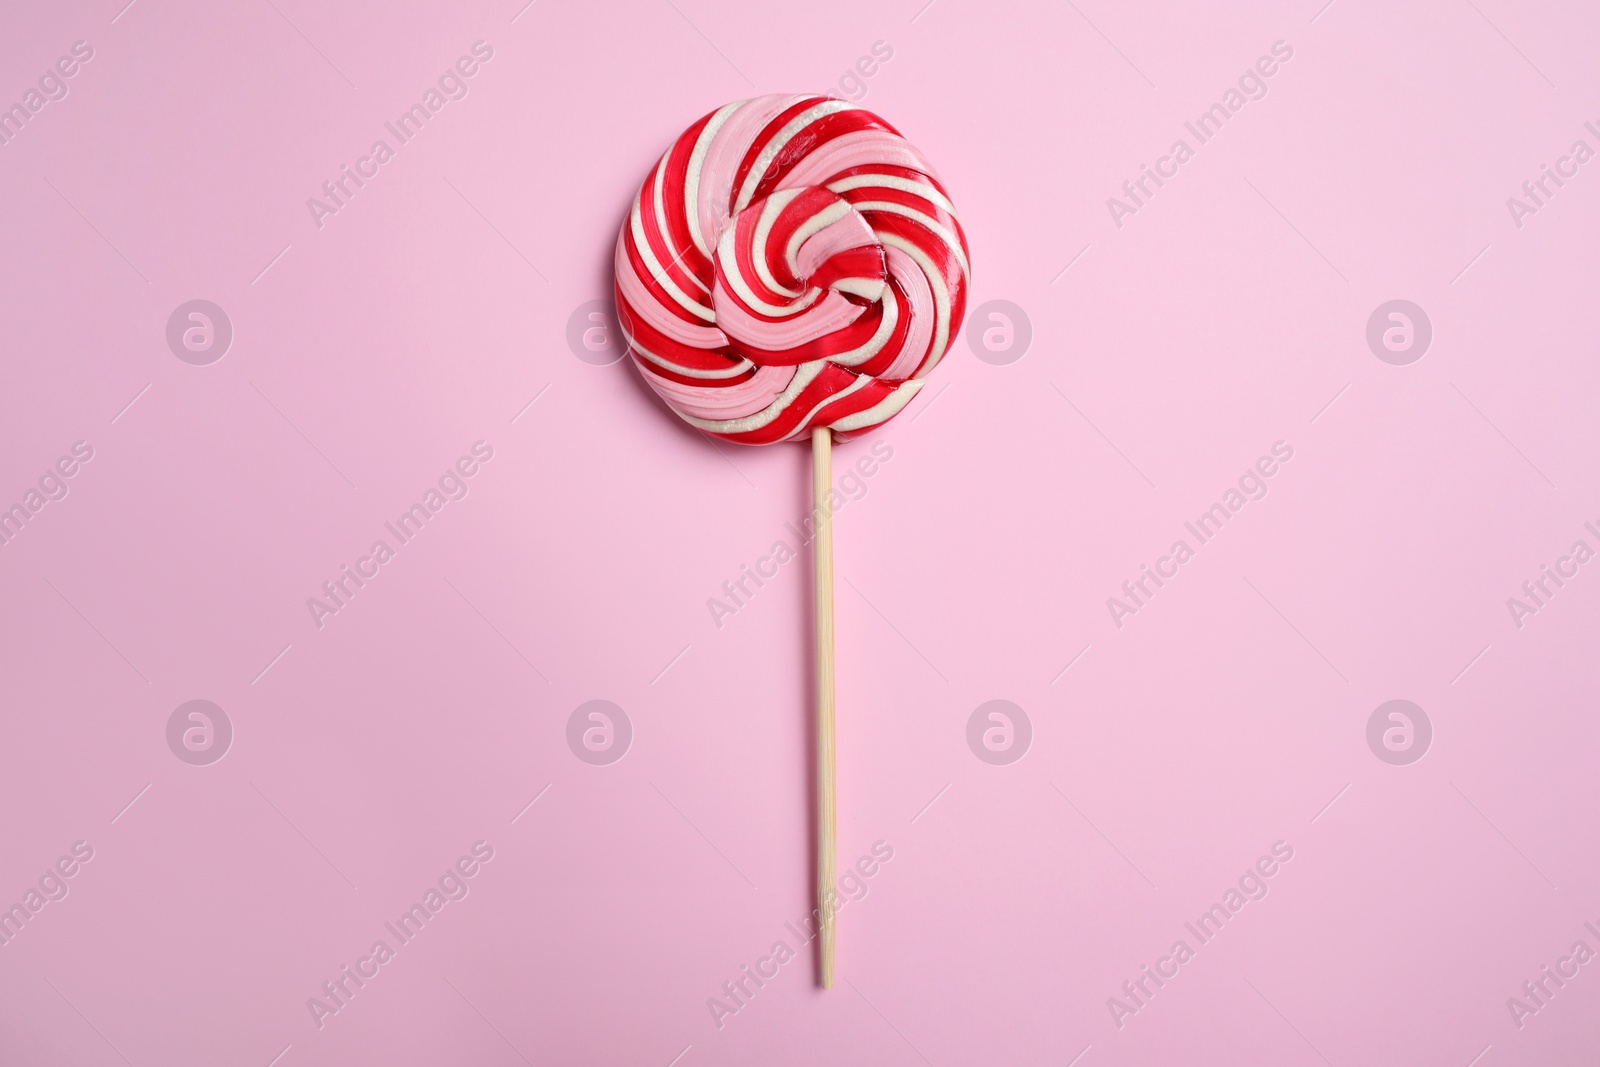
790	262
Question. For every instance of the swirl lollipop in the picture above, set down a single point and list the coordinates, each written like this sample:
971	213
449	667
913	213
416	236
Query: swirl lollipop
790	269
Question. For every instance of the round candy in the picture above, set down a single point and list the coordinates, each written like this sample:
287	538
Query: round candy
790	262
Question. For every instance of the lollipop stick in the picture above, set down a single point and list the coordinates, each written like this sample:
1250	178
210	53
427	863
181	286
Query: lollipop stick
822	508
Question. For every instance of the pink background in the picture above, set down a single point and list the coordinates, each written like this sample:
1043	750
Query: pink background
1225	716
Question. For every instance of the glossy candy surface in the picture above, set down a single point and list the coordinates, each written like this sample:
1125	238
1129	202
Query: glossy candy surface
790	262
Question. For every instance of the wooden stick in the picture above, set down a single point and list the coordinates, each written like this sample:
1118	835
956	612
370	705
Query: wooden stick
822	508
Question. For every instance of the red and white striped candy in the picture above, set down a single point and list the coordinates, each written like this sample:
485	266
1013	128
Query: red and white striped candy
790	262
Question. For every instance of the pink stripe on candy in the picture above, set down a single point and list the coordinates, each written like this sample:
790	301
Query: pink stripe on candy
792	321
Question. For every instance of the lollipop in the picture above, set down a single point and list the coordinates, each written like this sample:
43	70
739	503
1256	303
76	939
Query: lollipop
790	269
